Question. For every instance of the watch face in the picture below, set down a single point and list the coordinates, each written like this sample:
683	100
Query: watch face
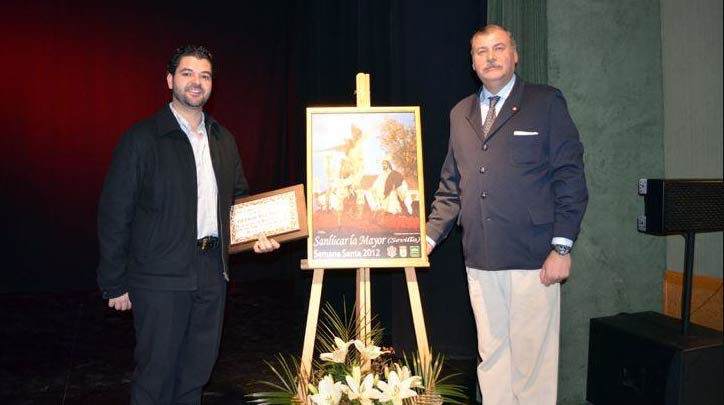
562	249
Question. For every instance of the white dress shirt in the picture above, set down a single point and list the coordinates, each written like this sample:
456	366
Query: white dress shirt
207	192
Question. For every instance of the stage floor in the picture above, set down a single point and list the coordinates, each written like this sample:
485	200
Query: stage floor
71	349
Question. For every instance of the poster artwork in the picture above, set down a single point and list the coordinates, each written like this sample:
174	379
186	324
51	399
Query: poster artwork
365	192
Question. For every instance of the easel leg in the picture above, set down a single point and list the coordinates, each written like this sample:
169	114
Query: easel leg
418	319
364	309
310	332
364	304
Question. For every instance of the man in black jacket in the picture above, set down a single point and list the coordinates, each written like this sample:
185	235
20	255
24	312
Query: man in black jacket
163	228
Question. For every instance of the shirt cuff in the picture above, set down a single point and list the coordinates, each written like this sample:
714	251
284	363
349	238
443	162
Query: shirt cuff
562	241
430	242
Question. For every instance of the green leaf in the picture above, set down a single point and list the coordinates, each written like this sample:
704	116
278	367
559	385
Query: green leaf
434	381
271	398
286	371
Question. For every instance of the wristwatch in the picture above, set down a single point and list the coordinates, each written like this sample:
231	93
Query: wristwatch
562	249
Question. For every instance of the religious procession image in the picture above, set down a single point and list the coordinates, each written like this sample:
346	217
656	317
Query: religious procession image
365	181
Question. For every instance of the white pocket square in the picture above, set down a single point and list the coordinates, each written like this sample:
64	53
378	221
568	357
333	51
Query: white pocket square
524	133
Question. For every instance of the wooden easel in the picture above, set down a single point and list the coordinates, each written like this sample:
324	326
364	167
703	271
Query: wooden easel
363	294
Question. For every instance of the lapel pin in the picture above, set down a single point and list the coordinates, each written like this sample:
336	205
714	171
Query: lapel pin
514	108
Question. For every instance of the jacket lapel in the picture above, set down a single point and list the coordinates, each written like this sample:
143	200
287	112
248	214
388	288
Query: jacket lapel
474	118
511	106
213	148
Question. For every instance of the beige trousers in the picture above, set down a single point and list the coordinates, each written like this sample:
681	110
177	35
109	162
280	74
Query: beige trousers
517	320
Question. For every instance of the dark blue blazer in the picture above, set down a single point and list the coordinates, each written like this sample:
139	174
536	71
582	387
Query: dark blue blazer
517	188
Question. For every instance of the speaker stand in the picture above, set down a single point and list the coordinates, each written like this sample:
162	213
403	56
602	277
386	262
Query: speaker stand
688	277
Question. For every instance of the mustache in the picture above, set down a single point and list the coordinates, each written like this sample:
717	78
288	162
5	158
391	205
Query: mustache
492	65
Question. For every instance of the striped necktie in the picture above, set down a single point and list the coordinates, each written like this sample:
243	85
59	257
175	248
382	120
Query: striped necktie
490	117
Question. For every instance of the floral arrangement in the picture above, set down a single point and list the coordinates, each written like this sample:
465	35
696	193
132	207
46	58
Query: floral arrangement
358	371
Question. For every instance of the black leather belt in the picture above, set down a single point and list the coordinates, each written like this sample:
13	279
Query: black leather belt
207	242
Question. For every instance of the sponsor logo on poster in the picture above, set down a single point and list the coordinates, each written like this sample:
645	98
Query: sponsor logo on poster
391	251
414	251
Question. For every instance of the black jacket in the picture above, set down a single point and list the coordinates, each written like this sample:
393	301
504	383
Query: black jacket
147	211
517	188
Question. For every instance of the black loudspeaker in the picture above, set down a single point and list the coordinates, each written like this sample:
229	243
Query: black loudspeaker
679	206
642	359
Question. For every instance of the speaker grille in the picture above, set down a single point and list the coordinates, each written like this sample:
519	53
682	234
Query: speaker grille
693	205
681	205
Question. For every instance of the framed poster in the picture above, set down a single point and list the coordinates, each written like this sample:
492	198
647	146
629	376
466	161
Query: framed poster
365	199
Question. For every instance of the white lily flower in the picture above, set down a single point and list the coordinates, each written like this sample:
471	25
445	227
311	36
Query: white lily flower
338	355
362	390
370	352
405	374
328	392
395	390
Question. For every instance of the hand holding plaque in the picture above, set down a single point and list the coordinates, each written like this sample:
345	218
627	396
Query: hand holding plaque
265	245
280	214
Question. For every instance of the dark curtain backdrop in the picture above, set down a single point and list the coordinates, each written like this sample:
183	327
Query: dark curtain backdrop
77	74
417	53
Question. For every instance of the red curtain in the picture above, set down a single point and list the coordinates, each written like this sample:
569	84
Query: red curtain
75	76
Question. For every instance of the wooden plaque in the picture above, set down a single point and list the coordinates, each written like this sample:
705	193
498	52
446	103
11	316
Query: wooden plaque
280	214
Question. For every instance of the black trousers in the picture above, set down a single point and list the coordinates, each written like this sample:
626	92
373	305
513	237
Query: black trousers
178	335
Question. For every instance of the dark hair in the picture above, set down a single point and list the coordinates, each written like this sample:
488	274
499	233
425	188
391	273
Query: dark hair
197	51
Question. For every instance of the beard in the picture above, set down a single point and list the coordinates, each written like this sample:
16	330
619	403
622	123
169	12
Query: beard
182	97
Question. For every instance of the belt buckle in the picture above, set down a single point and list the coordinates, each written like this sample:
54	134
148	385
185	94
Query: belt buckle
204	243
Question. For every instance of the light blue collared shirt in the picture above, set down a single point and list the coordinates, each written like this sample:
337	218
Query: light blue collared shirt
503	94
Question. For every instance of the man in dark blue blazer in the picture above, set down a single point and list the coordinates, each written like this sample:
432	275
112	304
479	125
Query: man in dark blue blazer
513	179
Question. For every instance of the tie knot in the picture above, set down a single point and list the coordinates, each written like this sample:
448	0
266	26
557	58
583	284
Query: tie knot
492	100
